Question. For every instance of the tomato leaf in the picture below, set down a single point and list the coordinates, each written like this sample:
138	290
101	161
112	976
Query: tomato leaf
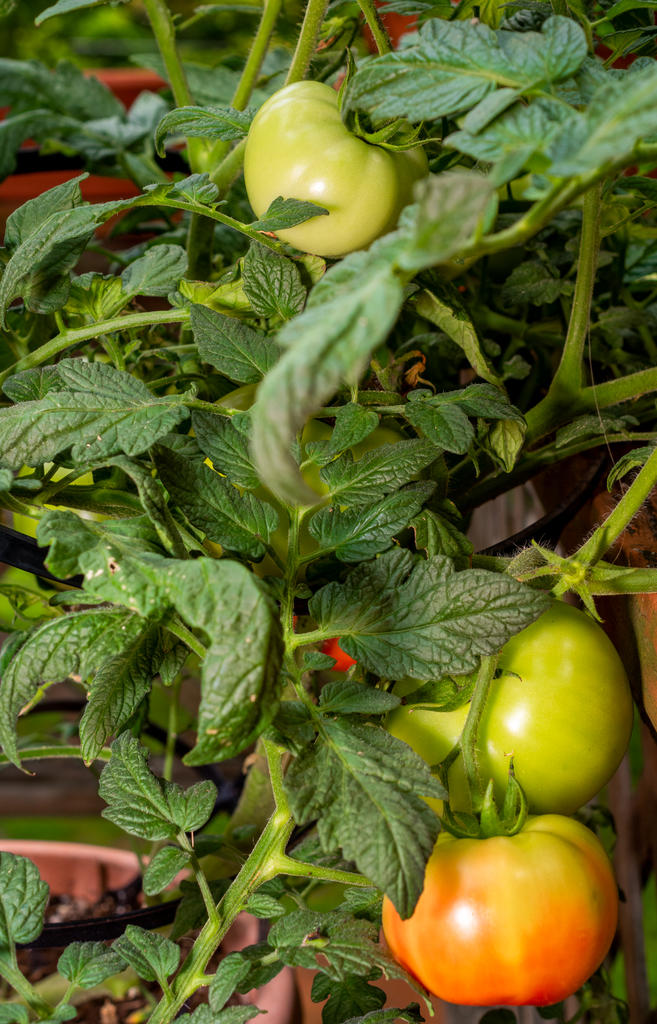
351	997
272	283
239	522
23	898
330	342
66	6
203	122
436	534
351	698
225	441
77	644
287	213
374	813
118	689
97	412
400	616
456	65
442	306
236	350
86	964
378	472
163	867
355	534
145	805
151	955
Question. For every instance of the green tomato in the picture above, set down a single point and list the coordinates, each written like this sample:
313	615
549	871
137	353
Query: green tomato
561	709
298	147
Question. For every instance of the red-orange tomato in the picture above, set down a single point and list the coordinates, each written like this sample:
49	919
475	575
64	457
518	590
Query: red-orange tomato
343	661
512	920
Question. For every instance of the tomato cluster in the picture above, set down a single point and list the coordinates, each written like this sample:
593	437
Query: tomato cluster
524	918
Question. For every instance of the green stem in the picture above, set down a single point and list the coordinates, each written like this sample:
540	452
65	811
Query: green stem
201	880
10	971
46	753
623	389
564	394
289	866
172	729
625	581
259	867
602	539
225	173
76	335
270	12
165	35
178	628
469	737
375	25
307	41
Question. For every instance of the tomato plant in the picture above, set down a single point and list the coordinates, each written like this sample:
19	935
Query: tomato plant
299	148
561	709
523	919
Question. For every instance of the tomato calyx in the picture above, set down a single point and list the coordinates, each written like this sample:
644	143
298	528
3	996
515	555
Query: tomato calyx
490	820
395	136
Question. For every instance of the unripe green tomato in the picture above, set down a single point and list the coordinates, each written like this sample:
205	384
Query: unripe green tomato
561	708
298	147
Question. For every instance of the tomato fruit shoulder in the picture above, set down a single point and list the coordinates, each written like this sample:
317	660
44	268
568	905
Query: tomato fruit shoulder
298	147
513	920
561	709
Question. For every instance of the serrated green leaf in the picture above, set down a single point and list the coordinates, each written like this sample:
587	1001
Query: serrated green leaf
455	65
348	998
144	805
23	898
232	970
330	342
449	211
163	868
437	535
77	643
151	955
14	1013
532	281
272	283
349	698
445	424
233	348
98	412
364	788
226	442
264	906
157	272
240	523
287	213
117	690
86	964
203	122
353	424
357	534
442	306
378	472
400	616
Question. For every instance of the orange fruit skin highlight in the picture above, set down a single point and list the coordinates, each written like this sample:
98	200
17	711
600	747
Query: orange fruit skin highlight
520	920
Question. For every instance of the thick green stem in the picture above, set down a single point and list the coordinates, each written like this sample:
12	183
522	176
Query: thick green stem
10	971
76	335
307	42
165	35
288	866
375	25
225	173
469	737
602	539
623	389
270	12
565	393
259	867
